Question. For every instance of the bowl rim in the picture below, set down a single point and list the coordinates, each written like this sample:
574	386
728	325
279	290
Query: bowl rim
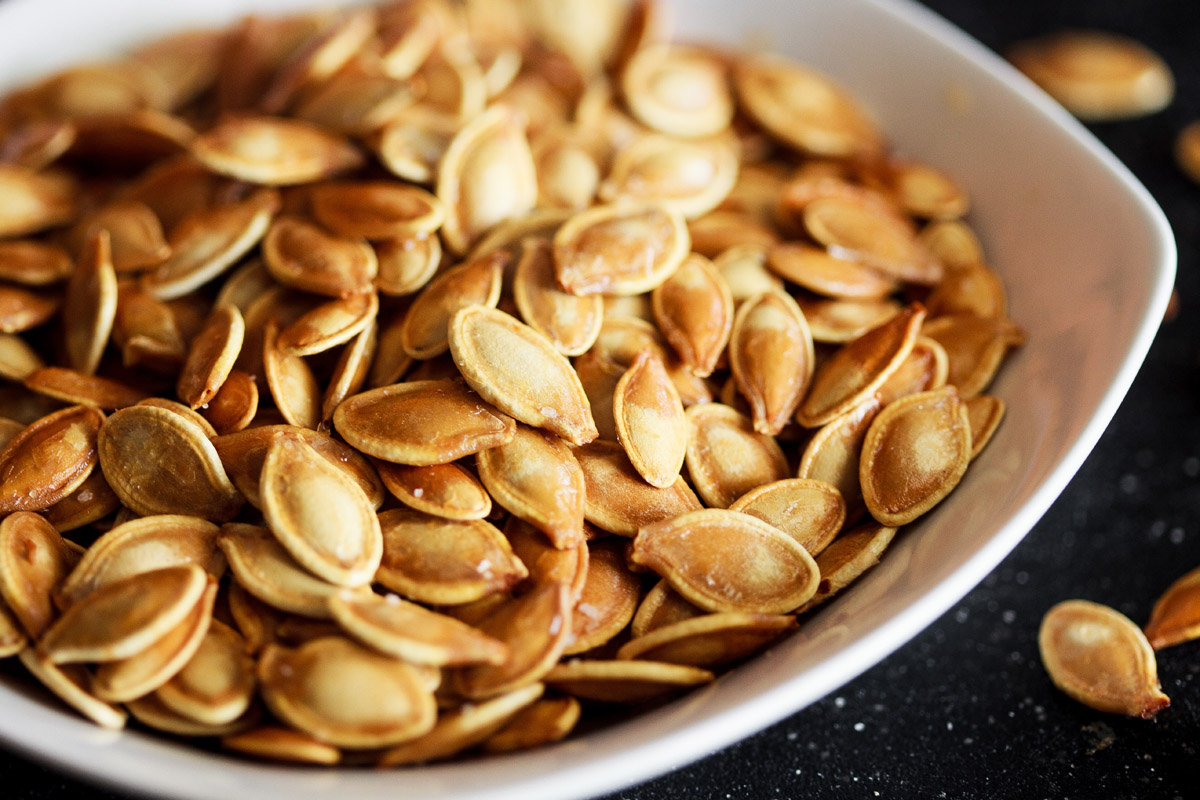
615	771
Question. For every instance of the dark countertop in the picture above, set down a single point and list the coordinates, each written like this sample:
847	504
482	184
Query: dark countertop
965	709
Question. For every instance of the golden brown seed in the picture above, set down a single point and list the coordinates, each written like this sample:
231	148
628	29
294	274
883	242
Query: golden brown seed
1097	75
93	500
159	463
569	322
183	411
618	499
924	368
517	369
22	309
443	490
345	695
677	90
854	372
123	618
273	151
726	457
694	311
1100	658
771	356
463	728
34	560
291	381
1187	151
650	421
662	606
211	356
209	241
33	263
330	324
90	305
410	632
691	177
819	271
151	712
566	168
34	200
1176	616
624	681
474	282
622	338
971	289
406	265
37	144
265	570
234	405
832	455
535	627
444	562
841	321
743	267
925	191
69	682
975	347
729	561
303	256
876	236
355	102
566	564
598	375
140	674
803	108
319	514
810	511
135	232
142	545
216	685
619	249
709	640
850	555
377	210
412	144
546	721
49	459
70	386
953	243
12	638
319	57
914	454
609	597
421	422
486	175
282	744
147	331
984	414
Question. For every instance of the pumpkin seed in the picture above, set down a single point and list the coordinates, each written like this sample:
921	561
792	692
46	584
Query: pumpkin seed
30	262
12	638
301	255
619	249
984	415
682	91
810	511
975	347
1176	616
281	744
618	499
92	501
234	405
606	604
407	265
377	210
135	234
22	309
546	563
90	305
474	282
726	457
973	289
211	356
624	681
650	421
743	267
688	176
68	682
273	151
710	640
849	556
819	271
330	324
543	722
264	569
216	685
34	560
570	323
771	356
49	459
832	454
694	311
71	386
34	201
662	606
151	712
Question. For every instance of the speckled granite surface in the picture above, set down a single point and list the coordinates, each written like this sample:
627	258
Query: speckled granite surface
965	710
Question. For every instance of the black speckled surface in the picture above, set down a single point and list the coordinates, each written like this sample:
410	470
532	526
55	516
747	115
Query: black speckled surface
965	710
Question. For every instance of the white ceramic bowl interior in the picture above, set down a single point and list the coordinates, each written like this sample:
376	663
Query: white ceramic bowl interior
1086	255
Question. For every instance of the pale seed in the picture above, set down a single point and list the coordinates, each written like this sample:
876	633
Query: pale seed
688	176
682	91
69	682
406	265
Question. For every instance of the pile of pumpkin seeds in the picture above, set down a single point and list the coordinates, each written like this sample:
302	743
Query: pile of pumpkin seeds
389	383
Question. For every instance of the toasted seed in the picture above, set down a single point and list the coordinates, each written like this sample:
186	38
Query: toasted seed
211	356
36	144
71	386
445	562
973	289
209	241
142	673
623	681
295	631
726	457
924	368
22	309
678	90
159	463
449	491
519	371
662	606
278	306
569	322
743	267
691	177
33	263
135	233
474	282
454	82
598	375
216	685
292	383
303	256
34	200
535	627
914	454
412	145
309	688
709	640
265	570
183	411
984	414
728	561
151	712
68	682
377	210
234	405
621	339
841	321
407	265
545	721
855	371
832	454
12	638
567	564
421	422
694	310
610	596
49	459
485	176
567	172
92	501
618	499
319	57
34	560
650	421
242	453
1097	75
619	249
924	191
123	618
849	556
90	305
147	331
771	355
281	744
273	151
355	102
953	243
1176	615
827	274
1098	657
874	236
975	347
810	511
330	324
142	545
803	108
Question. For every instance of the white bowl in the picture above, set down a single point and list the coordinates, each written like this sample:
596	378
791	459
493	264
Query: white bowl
1088	259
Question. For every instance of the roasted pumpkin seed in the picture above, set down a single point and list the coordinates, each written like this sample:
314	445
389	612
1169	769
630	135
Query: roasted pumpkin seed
726	457
623	681
49	459
1176	616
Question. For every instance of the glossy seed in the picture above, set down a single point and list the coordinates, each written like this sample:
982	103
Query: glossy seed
708	640
1176	616
330	324
875	236
407	265
984	415
832	454
34	561
234	405
726	457
22	309
31	262
443	490
264	569
474	282
810	511
33	200
49	459
546	563
975	347
914	454
848	557
619	249
623	681
273	151
925	368
694	311
303	256
1099	658
291	381
771	356
569	322
377	210
650	421
516	369
216	685
90	305
151	712
678	90
71	386
619	500
93	500
211	356
136	235
608	600
688	176
819	271
841	321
